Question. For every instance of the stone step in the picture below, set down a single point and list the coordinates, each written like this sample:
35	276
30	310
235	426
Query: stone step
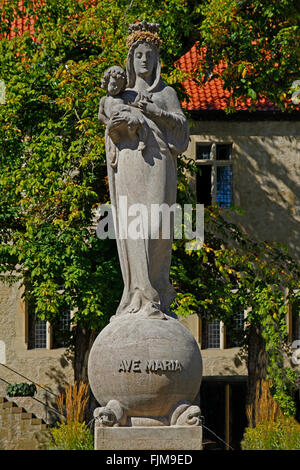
12	407
35	421
20	429
9	404
17	410
27	415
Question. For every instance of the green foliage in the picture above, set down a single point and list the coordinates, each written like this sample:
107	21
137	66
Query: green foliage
23	389
282	434
232	273
71	436
259	42
52	173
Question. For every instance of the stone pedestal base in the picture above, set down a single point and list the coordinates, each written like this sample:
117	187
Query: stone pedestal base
148	438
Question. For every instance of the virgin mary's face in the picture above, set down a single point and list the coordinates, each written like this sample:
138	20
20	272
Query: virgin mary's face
144	60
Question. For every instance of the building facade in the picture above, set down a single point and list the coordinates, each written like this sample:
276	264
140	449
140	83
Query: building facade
251	160
29	352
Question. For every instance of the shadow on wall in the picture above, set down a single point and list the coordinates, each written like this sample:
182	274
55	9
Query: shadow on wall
49	377
61	379
266	186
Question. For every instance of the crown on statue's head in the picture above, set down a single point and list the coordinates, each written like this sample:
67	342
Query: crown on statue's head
143	31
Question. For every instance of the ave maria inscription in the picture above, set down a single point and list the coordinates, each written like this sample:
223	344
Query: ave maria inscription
152	365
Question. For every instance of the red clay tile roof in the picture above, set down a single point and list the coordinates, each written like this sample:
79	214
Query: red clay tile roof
212	95
21	25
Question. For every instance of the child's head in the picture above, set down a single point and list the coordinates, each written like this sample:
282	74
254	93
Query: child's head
114	80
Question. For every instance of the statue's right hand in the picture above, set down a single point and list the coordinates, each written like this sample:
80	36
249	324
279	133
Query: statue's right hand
105	416
116	128
116	122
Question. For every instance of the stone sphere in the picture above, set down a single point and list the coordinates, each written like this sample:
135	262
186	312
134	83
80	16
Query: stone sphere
146	364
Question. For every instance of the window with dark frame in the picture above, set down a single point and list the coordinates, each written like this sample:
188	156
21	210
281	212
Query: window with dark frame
37	331
214	176
236	331
61	331
211	337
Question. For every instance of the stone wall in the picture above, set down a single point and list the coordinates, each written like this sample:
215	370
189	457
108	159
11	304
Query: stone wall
266	174
20	430
216	362
50	368
266	185
266	171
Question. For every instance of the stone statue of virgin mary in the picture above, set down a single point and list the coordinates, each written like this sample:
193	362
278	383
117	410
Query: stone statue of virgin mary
145	133
141	373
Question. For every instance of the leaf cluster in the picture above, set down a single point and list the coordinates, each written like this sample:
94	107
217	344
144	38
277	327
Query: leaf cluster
282	434
52	157
232	273
23	389
52	173
259	43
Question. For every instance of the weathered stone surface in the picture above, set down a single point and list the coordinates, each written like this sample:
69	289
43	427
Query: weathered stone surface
51	368
144	364
147	365
146	130
20	430
149	438
266	168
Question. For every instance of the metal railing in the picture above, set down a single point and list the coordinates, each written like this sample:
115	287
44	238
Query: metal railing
47	407
58	413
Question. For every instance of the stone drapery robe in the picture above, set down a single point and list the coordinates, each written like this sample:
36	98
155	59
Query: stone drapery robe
147	177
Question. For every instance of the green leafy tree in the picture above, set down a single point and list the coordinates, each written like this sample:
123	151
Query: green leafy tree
52	178
259	41
234	272
52	157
